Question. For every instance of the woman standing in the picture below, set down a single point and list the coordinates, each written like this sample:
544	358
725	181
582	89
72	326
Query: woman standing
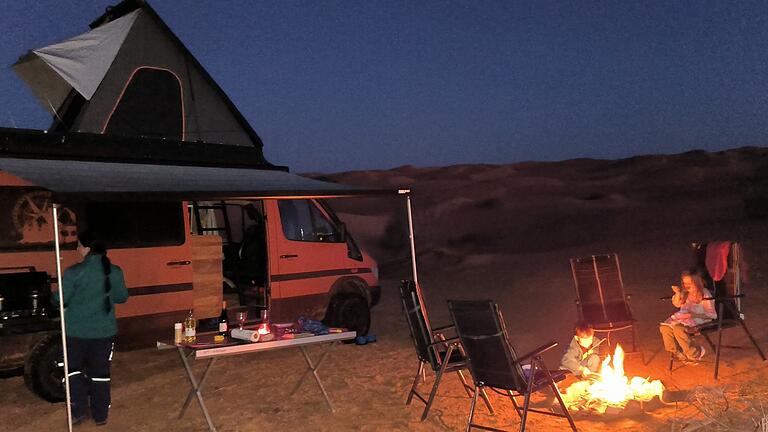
694	310
91	289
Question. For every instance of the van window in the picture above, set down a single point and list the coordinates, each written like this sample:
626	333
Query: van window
145	224
26	220
303	221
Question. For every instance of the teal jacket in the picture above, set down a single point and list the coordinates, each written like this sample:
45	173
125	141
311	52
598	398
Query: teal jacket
84	312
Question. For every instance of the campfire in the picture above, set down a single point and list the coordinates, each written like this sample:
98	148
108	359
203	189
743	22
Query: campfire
610	388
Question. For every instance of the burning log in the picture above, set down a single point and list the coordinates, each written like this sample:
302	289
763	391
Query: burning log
611	389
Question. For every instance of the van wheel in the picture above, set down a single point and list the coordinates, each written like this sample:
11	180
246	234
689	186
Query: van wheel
44	369
351	311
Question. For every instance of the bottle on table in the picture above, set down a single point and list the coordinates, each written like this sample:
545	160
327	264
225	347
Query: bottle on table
223	320
190	325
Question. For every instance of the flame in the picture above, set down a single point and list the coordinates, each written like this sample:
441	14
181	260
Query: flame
611	388
263	329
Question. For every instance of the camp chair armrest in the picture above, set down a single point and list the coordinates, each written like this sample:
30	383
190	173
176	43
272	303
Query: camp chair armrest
453	340
537	351
726	297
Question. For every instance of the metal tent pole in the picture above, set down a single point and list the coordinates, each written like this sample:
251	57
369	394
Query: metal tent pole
61	311
407	194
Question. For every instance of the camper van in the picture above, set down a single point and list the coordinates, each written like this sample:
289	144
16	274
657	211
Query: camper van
289	255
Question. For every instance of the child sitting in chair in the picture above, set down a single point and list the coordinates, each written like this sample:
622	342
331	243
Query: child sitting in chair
582	356
696	307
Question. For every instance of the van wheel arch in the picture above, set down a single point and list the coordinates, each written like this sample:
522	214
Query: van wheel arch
349	306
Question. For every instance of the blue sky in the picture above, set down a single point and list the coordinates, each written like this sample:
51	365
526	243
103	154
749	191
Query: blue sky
341	85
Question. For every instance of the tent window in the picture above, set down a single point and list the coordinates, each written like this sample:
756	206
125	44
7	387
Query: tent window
128	225
303	221
151	105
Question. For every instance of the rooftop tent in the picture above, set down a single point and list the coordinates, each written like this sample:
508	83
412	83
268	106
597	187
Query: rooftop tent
130	75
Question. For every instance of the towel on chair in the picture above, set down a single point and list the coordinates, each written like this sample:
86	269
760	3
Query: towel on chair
717	258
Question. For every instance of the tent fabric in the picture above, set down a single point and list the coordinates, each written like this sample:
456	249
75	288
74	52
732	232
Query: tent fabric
81	62
82	81
71	180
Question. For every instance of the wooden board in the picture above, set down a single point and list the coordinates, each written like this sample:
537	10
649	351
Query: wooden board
207	276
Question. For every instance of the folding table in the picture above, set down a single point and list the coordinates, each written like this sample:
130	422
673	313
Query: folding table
212	352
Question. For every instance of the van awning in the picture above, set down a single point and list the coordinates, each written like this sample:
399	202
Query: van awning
76	180
76	166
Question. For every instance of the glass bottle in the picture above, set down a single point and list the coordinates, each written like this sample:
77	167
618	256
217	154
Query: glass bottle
223	320
190	325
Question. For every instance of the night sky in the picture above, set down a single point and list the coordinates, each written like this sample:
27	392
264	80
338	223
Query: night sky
332	86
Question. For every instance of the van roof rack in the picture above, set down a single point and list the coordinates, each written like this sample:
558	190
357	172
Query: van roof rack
38	144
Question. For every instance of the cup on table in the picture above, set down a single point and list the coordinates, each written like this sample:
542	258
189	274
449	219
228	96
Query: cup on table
242	317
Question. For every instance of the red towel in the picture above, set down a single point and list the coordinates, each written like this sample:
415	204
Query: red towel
717	258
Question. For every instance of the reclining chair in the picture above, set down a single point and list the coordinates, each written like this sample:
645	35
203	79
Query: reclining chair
600	297
432	348
719	264
494	363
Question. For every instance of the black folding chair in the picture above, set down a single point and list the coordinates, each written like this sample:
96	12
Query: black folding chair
494	363
726	292
432	348
600	297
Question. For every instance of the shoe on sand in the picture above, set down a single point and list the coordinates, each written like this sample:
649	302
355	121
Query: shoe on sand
702	351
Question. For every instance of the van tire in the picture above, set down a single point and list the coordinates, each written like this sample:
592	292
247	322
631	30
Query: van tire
352	312
42	374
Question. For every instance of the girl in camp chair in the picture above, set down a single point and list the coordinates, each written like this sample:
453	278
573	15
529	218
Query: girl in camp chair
694	310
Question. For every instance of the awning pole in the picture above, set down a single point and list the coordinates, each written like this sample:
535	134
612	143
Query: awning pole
410	237
61	311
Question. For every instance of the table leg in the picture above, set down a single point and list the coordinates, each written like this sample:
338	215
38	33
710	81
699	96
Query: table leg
312	368
196	387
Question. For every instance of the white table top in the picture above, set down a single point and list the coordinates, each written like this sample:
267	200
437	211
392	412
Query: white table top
245	348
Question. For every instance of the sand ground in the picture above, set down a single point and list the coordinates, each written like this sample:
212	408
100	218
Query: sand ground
498	232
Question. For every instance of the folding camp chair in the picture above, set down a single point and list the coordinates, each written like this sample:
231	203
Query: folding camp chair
600	297
725	286
432	348
494	363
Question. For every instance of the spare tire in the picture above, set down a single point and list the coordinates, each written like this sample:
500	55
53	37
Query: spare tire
44	369
352	312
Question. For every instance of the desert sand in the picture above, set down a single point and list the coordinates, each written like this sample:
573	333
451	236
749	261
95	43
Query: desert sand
501	232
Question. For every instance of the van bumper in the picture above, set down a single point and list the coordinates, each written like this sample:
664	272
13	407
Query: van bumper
375	292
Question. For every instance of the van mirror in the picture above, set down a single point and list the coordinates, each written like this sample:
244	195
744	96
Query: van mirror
343	231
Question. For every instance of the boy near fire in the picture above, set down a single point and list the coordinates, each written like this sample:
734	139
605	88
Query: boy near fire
582	357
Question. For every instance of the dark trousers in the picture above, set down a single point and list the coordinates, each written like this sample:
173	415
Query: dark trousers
89	380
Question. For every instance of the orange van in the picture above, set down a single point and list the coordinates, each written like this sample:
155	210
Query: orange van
291	256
